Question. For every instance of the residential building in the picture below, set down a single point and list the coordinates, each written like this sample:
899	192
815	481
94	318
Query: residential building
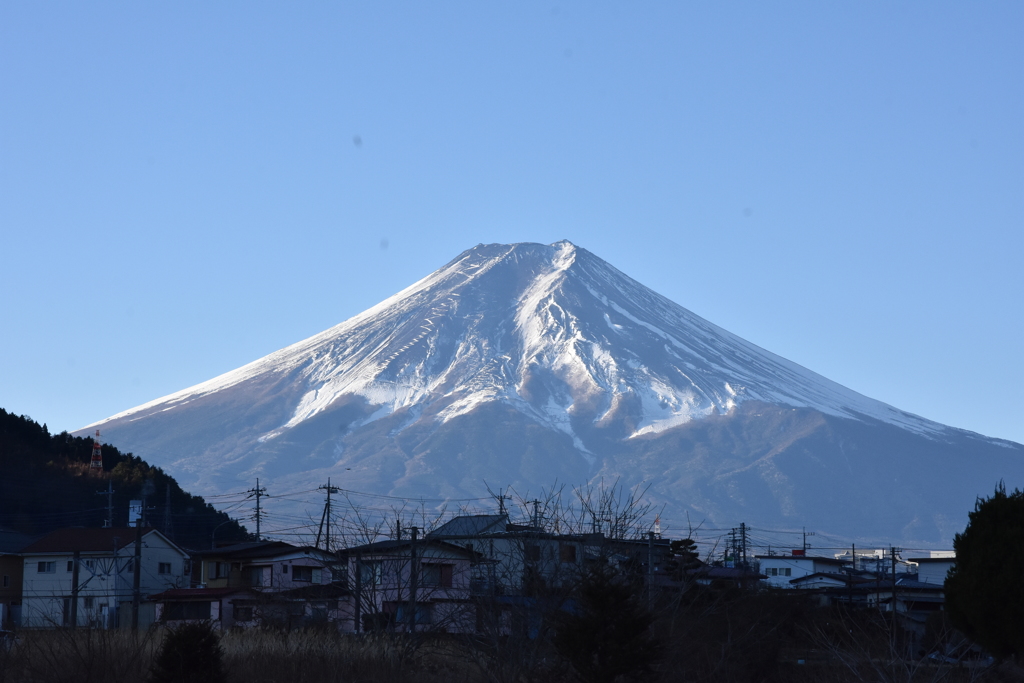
11	571
103	562
517	559
405	585
781	570
263	565
933	569
260	583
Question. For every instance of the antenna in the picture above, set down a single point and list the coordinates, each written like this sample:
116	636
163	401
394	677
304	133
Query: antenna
96	463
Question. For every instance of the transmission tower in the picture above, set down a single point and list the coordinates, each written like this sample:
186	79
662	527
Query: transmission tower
96	462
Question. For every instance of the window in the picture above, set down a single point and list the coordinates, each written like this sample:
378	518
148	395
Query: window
164	568
319	611
302	573
89	603
424	614
259	576
175	611
788	571
532	553
129	566
89	564
242	613
437	575
71	565
566	552
284	569
371	573
47	568
218	570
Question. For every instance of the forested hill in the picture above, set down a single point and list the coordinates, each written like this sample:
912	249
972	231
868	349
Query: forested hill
46	484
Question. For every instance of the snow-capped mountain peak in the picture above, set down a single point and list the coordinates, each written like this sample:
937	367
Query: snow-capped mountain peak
551	330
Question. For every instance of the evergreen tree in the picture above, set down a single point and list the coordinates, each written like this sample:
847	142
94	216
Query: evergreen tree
191	653
984	591
606	631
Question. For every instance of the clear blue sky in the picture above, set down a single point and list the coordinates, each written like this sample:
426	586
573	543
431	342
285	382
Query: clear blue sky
185	187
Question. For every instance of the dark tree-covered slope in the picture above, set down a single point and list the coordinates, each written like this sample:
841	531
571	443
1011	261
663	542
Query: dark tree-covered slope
46	484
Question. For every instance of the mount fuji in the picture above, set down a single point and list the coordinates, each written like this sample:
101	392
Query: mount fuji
530	364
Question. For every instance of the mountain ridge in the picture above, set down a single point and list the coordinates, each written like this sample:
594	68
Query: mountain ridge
545	340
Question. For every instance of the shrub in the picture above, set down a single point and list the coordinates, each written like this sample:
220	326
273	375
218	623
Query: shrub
191	653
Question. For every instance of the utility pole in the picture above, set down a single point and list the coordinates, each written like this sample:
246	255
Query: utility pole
109	493
167	513
258	492
650	569
412	581
806	534
137	565
536	513
358	617
501	502
74	588
327	515
743	544
892	553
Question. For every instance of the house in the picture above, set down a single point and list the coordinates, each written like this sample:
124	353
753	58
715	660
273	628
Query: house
260	583
739	577
267	566
216	605
933	570
84	577
404	585
781	570
11	571
517	559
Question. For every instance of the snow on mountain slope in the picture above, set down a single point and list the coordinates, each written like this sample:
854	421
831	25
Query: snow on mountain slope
524	365
551	330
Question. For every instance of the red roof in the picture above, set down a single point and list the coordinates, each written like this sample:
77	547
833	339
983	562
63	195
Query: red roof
84	540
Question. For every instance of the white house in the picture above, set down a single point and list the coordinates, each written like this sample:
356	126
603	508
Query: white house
780	570
105	571
933	569
515	555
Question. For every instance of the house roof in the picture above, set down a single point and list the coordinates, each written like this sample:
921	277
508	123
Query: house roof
845	579
12	542
381	547
816	558
926	560
259	549
78	539
471	525
203	594
731	573
315	592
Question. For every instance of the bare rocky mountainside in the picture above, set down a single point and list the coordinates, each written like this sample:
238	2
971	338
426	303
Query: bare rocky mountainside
527	364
